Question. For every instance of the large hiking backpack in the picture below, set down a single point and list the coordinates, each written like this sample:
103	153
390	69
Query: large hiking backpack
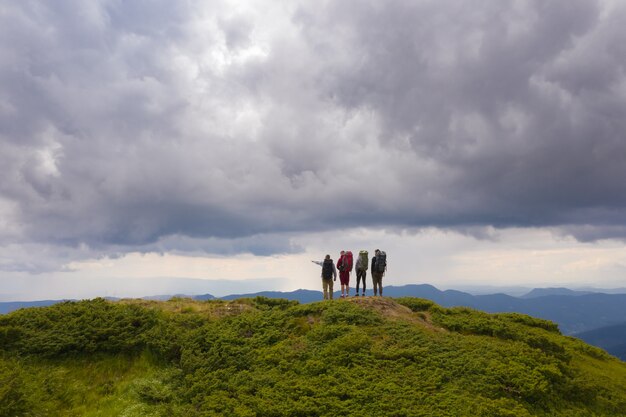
347	262
363	260
381	261
327	269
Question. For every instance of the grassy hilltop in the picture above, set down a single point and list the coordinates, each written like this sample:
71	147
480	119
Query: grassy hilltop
268	357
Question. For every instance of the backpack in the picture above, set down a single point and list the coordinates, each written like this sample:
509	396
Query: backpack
327	269
363	259
346	265
381	261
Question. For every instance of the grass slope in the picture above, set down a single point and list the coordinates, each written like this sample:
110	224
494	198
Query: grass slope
268	357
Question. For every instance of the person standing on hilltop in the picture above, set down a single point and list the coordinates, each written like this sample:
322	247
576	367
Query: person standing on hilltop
329	274
361	271
344	264
379	266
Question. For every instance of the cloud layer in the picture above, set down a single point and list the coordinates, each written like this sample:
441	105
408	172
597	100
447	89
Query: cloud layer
145	125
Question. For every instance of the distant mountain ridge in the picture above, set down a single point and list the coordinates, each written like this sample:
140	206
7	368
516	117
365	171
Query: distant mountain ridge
610	338
303	296
8	306
543	292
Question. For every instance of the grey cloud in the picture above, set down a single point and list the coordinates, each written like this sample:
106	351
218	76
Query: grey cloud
237	30
497	98
127	125
263	245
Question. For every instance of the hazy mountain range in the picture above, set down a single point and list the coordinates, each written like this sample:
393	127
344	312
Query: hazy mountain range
610	338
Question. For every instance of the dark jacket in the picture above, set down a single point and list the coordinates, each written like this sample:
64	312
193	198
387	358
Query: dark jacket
321	263
374	270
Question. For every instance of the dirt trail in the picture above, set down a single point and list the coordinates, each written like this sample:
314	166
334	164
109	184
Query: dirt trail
395	311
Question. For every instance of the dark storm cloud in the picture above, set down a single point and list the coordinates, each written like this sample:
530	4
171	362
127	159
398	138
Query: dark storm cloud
125	125
518	104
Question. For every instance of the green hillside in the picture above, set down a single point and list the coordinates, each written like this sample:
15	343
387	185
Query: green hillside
267	357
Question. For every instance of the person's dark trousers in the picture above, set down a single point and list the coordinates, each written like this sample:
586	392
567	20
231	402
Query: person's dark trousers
360	275
377	280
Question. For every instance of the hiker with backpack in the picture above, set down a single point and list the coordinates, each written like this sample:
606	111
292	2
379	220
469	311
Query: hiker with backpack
344	264
379	266
361	271
329	274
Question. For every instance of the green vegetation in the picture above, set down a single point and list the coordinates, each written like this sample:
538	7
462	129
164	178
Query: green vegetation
268	357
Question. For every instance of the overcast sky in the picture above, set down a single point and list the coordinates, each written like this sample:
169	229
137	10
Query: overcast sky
478	142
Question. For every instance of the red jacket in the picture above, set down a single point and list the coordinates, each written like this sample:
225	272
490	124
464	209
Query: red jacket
340	263
342	274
